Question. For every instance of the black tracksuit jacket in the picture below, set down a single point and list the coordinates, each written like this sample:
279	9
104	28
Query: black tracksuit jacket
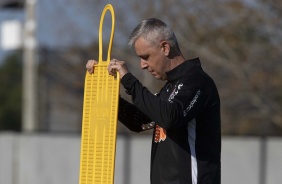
185	115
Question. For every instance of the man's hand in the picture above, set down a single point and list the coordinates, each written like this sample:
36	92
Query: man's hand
117	66
90	65
113	67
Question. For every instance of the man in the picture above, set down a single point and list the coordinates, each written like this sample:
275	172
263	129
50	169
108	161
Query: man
185	115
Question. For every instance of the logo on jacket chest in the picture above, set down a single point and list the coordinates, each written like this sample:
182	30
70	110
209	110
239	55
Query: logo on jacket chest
174	92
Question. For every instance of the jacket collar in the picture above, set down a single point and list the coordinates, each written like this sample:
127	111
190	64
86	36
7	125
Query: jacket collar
183	68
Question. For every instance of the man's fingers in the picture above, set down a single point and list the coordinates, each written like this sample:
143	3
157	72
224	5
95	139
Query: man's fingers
117	66
90	65
113	67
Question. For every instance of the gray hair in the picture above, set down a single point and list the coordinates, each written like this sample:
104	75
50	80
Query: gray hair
154	31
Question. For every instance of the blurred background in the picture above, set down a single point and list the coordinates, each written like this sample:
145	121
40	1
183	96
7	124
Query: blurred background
45	45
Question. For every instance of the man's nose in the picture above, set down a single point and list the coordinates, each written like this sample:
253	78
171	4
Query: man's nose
143	64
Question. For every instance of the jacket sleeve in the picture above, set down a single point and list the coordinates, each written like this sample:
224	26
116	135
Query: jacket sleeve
132	118
182	107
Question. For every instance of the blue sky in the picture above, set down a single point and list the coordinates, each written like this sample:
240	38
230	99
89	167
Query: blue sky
65	23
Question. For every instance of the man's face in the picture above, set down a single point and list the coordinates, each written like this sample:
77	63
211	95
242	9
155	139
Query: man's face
152	58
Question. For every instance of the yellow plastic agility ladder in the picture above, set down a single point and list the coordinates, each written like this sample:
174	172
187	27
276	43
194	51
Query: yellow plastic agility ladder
100	111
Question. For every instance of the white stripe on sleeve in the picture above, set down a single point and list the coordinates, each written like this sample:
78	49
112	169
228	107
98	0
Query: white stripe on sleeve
192	144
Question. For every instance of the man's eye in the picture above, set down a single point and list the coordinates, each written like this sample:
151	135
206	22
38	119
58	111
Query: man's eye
145	57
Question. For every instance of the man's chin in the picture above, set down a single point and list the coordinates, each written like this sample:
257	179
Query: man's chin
158	77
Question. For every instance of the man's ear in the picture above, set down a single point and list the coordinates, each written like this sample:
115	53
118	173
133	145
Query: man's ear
165	47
